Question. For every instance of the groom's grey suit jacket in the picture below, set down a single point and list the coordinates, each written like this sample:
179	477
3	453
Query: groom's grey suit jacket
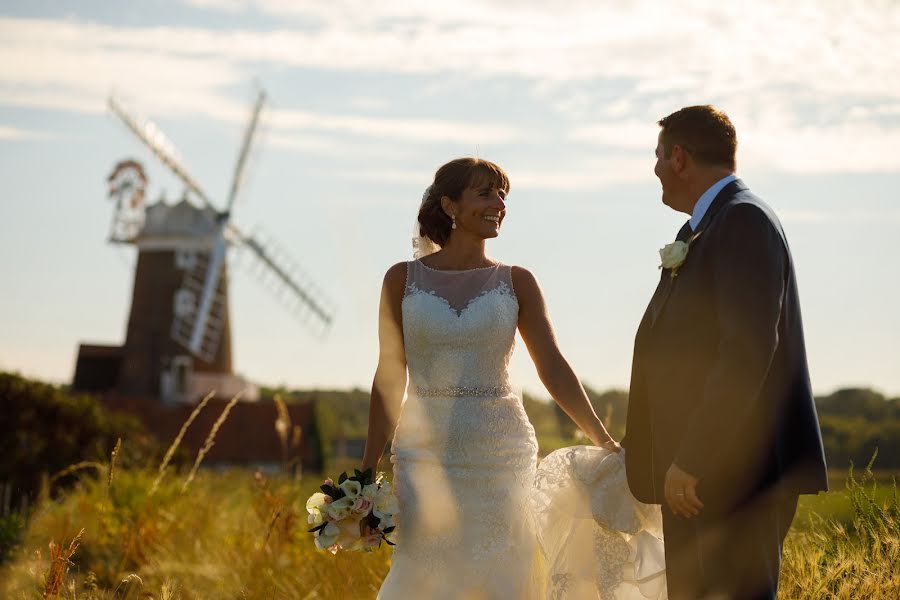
720	384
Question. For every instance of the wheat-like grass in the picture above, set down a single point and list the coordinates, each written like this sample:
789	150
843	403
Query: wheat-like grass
112	464
168	591
272	521
133	584
85	464
171	451
59	563
282	425
210	440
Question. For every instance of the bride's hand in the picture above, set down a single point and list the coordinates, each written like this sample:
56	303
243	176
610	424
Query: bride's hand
611	445
600	436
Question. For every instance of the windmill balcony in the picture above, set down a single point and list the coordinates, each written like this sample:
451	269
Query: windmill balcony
178	388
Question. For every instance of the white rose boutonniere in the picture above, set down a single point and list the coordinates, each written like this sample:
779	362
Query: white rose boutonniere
673	255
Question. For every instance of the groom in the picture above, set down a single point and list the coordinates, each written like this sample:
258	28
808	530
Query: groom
722	427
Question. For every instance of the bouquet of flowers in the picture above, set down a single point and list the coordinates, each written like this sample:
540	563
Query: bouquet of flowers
356	514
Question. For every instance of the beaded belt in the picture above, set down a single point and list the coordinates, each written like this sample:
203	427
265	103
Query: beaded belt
495	391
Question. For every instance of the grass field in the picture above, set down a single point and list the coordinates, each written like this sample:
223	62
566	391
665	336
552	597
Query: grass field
242	535
837	505
845	543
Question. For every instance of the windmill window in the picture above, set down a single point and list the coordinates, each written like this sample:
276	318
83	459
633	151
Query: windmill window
181	374
185	303
185	259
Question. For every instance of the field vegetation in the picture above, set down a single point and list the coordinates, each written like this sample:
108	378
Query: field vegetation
118	528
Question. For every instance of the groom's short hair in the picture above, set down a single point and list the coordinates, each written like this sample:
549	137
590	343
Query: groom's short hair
705	132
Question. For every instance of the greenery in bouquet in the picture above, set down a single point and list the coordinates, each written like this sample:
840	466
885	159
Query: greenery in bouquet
356	514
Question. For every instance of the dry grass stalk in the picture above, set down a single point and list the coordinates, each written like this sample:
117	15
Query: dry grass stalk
272	521
85	464
59	564
133	583
282	425
210	440
112	464
168	591
171	451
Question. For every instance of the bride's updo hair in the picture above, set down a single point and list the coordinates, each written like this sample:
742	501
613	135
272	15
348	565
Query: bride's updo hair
451	180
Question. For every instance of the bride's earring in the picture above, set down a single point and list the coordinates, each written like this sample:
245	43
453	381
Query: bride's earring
453	225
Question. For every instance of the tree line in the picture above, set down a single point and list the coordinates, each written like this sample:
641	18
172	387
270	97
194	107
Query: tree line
44	429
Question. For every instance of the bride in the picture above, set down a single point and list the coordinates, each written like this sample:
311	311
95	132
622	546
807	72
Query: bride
479	518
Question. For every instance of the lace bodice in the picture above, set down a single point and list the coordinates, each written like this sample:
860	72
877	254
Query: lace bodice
475	521
458	327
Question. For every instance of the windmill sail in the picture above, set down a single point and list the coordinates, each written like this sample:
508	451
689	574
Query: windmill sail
187	317
201	306
289	284
244	153
159	144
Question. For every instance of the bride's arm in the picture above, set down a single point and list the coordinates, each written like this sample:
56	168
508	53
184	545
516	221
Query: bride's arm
553	369
390	376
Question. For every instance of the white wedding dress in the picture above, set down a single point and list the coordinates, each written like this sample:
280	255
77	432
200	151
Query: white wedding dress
479	517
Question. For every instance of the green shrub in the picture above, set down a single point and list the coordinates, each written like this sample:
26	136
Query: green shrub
11	528
45	430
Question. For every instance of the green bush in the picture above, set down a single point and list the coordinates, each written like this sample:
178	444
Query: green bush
45	430
11	528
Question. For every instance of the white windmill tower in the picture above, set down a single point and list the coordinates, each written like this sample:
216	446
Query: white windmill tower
178	342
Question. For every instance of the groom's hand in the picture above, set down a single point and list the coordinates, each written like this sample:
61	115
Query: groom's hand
681	492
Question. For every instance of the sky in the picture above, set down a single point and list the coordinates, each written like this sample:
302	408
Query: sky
367	100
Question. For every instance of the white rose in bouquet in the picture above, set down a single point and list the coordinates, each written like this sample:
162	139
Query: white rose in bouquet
315	507
349	533
385	522
339	509
317	501
362	505
356	514
385	502
315	518
327	537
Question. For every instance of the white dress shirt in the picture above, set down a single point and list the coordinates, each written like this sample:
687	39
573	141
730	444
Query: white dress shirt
706	199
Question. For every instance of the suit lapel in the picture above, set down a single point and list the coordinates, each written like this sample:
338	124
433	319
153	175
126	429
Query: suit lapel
667	282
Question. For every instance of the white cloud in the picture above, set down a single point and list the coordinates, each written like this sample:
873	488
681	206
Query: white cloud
609	70
827	46
421	130
810	149
587	174
630	134
369	103
180	72
16	134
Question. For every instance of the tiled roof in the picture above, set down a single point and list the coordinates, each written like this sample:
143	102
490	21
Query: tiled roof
247	436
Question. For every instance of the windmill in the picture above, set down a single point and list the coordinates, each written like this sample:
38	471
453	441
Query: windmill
178	340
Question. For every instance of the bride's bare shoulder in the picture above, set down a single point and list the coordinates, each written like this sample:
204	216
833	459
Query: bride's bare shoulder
395	278
524	282
397	271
